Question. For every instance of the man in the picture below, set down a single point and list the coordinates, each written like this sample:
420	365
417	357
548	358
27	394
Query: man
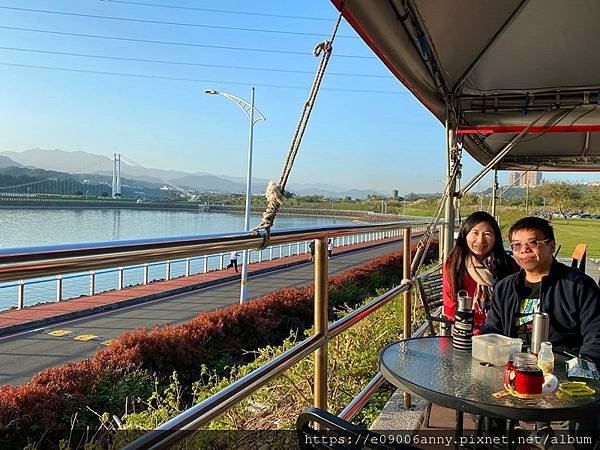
571	298
233	257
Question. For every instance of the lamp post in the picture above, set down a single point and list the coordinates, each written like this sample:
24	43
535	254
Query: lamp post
249	110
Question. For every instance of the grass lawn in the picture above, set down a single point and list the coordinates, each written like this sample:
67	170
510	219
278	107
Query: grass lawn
571	232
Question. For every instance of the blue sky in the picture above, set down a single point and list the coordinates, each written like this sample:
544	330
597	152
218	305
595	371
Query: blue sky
366	130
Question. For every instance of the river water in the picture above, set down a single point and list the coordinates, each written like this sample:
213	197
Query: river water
33	227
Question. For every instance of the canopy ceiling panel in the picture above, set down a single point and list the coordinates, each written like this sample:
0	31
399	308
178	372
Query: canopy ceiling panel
500	64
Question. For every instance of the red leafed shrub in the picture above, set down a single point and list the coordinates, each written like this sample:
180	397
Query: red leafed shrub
29	408
217	339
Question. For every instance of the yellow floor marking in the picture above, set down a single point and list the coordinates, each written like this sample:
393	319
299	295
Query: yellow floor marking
106	342
85	337
59	332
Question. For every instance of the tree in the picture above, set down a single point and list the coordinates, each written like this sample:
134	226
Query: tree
561	194
591	197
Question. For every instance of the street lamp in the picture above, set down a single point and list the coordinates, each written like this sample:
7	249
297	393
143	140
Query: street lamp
249	110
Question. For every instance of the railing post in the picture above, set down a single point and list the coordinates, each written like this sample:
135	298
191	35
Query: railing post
260	256
205	264
188	266
168	270
21	295
290	249
222	261
407	306
297	248
280	251
59	283
270	253
320	322
146	273
120	278
92	290
441	242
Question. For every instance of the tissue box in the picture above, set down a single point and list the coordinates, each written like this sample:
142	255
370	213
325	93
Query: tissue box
495	348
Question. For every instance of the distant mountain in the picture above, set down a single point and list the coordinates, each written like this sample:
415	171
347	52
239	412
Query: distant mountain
207	182
88	163
7	162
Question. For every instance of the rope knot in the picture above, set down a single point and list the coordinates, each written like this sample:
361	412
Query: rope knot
324	46
274	196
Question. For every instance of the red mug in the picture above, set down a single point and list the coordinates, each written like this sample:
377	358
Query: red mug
523	381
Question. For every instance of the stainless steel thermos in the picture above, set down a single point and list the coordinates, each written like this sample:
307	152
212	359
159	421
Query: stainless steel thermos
539	332
462	330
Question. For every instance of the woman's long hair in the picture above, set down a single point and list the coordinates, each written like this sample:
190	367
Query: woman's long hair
501	262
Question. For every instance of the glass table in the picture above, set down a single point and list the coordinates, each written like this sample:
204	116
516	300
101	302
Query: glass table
432	369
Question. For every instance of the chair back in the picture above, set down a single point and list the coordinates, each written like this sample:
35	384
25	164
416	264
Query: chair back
579	256
430	293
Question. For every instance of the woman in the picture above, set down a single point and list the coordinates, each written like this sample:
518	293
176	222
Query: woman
476	263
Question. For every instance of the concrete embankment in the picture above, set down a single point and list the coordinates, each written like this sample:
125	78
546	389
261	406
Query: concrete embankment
52	203
49	203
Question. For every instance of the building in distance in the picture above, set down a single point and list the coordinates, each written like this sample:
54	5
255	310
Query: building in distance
524	178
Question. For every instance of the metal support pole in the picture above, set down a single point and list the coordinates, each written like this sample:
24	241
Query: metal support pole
92	290
527	193
270	253
494	193
449	215
120	278
280	251
168	270
188	266
320	322
21	295
260	256
290	249
205	264
59	284
407	303
222	261
146	273
441	229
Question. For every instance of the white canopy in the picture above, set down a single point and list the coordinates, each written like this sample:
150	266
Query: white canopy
500	64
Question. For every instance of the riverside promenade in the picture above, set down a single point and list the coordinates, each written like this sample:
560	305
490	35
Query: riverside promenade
16	320
53	334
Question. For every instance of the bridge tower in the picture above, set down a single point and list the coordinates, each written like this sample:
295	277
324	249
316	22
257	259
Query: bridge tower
116	175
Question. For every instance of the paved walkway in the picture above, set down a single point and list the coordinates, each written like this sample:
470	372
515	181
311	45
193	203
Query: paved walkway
40	315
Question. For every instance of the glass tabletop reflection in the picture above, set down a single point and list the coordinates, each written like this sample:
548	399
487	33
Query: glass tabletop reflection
431	368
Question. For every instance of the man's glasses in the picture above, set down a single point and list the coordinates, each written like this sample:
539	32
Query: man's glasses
530	243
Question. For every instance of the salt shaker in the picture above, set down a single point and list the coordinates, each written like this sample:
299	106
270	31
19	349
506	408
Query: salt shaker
546	357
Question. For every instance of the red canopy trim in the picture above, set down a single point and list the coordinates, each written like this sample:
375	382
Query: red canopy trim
532	130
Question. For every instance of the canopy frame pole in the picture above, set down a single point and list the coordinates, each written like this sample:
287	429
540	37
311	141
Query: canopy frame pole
494	193
489	45
452	160
501	154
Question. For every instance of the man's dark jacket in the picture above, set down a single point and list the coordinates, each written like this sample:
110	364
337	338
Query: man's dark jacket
571	299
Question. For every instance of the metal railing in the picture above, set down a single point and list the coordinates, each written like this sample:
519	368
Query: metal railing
29	263
60	286
199	415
